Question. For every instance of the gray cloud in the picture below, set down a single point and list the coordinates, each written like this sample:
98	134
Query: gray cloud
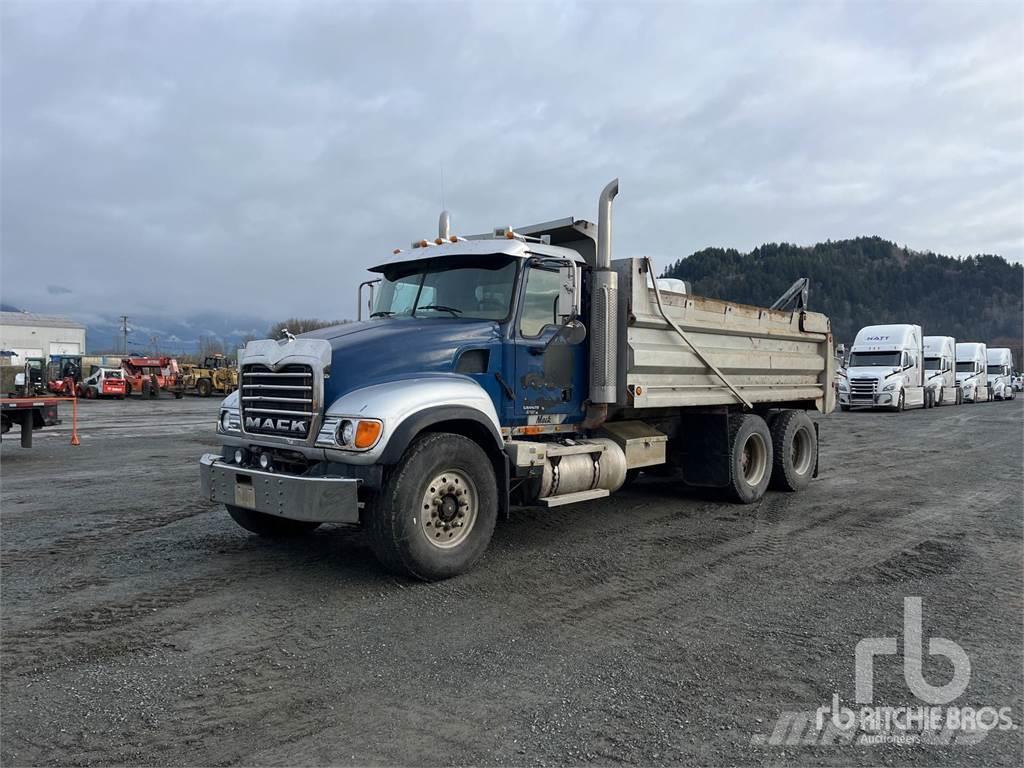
256	157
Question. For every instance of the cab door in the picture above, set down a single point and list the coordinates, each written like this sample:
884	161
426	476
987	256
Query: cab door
550	371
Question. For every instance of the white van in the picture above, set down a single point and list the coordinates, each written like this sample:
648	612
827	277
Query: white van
1000	373
940	369
885	369
971	360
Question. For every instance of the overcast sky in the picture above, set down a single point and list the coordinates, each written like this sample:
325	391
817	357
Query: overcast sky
258	156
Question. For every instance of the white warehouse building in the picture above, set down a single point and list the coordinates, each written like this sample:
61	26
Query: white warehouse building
30	335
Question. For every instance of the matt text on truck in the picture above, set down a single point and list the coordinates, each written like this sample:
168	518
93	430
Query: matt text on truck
520	367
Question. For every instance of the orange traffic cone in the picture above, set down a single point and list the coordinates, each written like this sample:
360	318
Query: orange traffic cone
74	422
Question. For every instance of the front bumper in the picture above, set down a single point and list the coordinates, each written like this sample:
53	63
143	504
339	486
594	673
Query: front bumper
314	499
876	400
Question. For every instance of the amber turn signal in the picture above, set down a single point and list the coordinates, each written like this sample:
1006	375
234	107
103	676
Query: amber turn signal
367	433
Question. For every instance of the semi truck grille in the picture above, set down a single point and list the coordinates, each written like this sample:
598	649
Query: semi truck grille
863	390
278	403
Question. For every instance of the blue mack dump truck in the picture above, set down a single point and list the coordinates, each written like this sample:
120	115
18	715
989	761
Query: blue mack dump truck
520	367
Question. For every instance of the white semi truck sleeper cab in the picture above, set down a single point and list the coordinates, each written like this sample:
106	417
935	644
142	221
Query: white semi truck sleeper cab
885	369
971	362
940	369
999	362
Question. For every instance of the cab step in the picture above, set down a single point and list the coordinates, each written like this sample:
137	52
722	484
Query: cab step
572	498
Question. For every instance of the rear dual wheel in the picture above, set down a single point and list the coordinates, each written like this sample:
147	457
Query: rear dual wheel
782	453
750	457
795	450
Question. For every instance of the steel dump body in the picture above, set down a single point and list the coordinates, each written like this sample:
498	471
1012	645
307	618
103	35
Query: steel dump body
768	356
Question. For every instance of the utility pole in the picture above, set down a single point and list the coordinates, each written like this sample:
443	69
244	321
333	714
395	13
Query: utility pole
124	331
155	340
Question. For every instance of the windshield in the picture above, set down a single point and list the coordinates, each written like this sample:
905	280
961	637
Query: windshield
887	359
112	374
933	363
995	370
967	367
451	287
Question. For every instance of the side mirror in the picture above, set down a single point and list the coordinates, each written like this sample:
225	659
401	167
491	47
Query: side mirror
573	332
568	305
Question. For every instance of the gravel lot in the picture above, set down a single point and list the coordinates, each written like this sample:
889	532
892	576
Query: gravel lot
140	625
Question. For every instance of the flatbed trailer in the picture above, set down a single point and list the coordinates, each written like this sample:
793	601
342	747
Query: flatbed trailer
31	413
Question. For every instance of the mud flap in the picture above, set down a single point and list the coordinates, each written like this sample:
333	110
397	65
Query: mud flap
702	450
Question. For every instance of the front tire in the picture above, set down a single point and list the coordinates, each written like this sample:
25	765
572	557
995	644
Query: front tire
750	457
899	403
794	451
204	388
436	513
268	526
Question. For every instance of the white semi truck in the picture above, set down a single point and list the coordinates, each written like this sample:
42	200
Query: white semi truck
940	370
999	362
971	371
885	369
469	389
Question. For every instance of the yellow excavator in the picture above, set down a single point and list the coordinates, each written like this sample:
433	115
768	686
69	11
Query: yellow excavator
214	374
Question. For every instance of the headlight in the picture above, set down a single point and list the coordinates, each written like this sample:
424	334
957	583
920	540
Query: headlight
890	386
229	420
353	434
844	387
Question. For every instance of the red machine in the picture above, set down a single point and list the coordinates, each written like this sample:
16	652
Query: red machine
63	374
147	376
104	382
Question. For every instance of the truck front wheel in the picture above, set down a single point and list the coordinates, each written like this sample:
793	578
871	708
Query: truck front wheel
436	513
269	526
204	387
750	457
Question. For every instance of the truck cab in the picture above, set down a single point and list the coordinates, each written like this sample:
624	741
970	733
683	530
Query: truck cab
885	369
999	366
940	369
971	371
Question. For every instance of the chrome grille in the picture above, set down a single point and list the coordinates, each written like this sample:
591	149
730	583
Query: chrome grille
277	402
863	389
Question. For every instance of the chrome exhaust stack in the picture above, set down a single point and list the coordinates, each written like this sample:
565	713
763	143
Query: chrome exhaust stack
444	225
604	305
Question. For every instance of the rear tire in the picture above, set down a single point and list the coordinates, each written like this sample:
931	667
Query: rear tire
794	451
268	526
750	457
436	513
204	388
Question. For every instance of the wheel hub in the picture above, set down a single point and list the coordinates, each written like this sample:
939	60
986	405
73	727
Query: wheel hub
449	509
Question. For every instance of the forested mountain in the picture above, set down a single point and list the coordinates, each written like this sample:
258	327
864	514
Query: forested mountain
869	280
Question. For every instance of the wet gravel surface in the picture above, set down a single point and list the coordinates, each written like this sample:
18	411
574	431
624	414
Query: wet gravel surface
140	625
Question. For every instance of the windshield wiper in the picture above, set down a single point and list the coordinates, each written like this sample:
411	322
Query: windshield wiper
442	308
381	313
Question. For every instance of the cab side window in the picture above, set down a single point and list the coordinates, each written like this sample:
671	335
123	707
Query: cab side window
539	301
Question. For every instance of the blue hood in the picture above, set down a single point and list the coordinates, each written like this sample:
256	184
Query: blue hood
386	349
